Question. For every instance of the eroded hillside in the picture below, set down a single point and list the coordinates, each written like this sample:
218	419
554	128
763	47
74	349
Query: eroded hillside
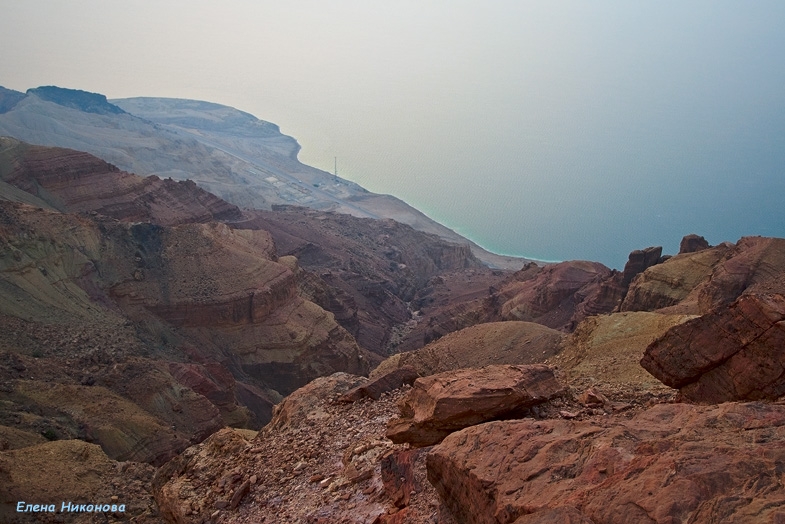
142	318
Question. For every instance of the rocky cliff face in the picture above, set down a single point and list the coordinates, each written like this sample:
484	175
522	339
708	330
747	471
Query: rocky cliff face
144	314
106	294
366	272
143	325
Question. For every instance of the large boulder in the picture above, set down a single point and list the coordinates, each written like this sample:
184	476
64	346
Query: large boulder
734	353
671	463
441	404
374	388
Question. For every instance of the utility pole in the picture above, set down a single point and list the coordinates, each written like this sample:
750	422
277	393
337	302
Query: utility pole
335	169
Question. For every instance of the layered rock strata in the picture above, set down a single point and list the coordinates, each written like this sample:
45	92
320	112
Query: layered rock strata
73	181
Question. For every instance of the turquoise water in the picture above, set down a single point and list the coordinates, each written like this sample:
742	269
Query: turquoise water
592	134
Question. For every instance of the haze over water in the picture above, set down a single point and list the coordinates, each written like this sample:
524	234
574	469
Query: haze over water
556	130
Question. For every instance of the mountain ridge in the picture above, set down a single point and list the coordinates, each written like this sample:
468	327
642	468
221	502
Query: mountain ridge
234	155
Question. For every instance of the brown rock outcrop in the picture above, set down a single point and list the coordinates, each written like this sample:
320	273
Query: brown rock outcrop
670	283
441	404
734	353
692	243
639	261
671	463
753	265
551	296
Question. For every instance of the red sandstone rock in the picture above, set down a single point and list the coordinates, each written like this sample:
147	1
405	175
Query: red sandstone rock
734	353
397	473
399	517
592	397
692	243
672	463
441	404
753	265
640	260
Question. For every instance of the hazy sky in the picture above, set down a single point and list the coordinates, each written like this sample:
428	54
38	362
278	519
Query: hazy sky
556	130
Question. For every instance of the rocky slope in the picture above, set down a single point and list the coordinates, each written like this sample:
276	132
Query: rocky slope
613	444
73	181
89	297
134	320
142	314
362	270
511	342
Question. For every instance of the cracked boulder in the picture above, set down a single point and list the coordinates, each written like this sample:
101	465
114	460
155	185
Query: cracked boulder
671	463
733	353
441	404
